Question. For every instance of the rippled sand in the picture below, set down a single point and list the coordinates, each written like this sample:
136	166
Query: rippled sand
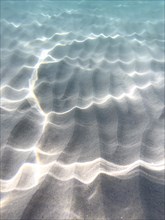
82	110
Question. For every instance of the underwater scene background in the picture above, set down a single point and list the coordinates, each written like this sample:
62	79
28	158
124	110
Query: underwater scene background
82	110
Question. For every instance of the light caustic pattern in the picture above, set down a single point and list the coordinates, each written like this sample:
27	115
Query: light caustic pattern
82	110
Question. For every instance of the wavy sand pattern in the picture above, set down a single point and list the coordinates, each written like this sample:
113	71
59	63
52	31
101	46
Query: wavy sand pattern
82	110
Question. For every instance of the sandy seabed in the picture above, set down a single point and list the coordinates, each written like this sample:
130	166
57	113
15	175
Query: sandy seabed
82	110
